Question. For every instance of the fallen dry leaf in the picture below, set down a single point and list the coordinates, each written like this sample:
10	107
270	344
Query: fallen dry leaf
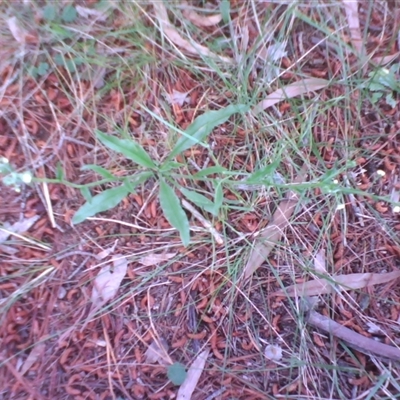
193	375
157	352
290	91
153	259
18	227
108	280
176	97
355	340
200	20
91	13
383	60
273	352
173	35
337	283
320	262
35	353
271	235
20	34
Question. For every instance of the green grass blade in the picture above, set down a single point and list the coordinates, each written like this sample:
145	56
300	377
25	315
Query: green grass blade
200	200
173	211
203	125
128	148
101	202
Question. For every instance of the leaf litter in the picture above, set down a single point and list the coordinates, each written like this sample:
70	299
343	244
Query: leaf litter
108	281
337	283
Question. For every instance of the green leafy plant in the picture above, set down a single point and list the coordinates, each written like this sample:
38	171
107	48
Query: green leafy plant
384	82
176	373
12	178
170	202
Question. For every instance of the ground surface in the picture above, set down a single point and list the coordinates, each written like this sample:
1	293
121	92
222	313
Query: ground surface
134	69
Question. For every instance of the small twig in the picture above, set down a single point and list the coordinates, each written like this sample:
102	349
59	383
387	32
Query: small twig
355	340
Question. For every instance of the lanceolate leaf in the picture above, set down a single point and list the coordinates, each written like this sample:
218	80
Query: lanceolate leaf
100	170
204	125
129	148
200	200
101	202
173	211
209	171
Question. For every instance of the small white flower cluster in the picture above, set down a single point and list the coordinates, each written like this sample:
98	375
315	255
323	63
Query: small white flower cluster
10	177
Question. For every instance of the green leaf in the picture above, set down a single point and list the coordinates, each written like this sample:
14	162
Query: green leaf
169	165
100	170
173	211
375	97
43	68
261	175
225	8
390	100
203	125
49	12
86	194
101	202
209	171
200	200
128	148
59	171
69	14
218	198
176	373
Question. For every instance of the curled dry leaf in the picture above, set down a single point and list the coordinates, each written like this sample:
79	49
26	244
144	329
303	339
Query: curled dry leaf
177	39
157	352
153	259
200	20
108	280
337	283
193	375
290	91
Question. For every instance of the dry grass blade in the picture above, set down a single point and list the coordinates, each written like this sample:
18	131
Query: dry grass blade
337	283
173	35
290	91
355	340
200	20
193	375
273	232
351	8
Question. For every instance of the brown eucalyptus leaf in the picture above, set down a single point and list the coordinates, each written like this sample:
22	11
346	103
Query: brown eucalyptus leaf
272	234
337	283
290	91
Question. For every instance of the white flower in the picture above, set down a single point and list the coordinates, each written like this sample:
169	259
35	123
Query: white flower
26	177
